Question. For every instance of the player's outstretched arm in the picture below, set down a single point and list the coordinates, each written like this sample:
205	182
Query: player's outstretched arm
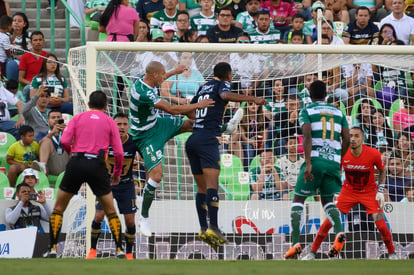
240	98
345	141
184	109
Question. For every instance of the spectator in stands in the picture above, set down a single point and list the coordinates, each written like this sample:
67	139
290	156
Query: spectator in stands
263	34
393	79
22	153
362	30
304	93
119	21
375	8
224	32
289	164
403	24
190	6
31	62
189	35
56	84
387	34
275	104
35	112
7	125
30	177
182	24
202	39
288	122
5	48
339	10
359	78
205	19
147	8
166	15
169	33
25	214
297	37
363	116
409	192
20	39
265	183
309	29
396	179
95	8
404	150
78	7
247	20
380	134
404	118
328	29
4	8
144	34
298	21
253	132
11	86
52	157
281	13
179	89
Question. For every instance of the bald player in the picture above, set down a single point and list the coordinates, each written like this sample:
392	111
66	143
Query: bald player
150	132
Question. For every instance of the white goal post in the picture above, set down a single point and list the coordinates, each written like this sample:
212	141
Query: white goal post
110	65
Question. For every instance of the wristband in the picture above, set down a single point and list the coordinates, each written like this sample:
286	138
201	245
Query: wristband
380	188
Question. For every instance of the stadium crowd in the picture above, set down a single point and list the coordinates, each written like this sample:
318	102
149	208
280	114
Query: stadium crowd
34	92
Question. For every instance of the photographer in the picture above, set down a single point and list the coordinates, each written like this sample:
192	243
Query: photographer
24	213
52	157
55	83
35	112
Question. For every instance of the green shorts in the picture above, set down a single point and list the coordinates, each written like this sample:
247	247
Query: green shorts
151	142
326	178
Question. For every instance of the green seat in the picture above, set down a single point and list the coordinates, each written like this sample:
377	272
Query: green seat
43	181
354	111
4	182
395	107
256	162
342	107
233	180
58	181
6	140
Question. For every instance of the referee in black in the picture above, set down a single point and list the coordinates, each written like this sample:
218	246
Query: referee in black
87	138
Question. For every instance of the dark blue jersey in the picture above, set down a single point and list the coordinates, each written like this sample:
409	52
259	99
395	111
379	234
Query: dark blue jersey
130	150
209	120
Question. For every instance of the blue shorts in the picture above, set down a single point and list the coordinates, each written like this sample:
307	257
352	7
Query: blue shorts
203	152
124	194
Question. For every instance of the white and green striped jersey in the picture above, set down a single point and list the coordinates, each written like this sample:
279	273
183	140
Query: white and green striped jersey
143	114
160	18
202	23
246	20
270	37
327	123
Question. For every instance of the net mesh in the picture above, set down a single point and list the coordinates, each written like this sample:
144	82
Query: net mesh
259	229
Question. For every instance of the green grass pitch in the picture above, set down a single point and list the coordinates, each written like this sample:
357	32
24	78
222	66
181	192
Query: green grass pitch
124	267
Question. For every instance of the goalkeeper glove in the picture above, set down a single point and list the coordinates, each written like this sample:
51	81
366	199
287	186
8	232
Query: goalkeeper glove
380	196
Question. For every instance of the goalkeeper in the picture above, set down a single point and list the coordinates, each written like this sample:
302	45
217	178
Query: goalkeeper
360	187
124	193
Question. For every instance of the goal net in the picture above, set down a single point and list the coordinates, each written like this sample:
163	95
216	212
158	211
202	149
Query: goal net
370	84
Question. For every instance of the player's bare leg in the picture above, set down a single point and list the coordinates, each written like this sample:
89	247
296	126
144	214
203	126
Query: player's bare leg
296	216
211	176
56	218
385	234
107	202
155	177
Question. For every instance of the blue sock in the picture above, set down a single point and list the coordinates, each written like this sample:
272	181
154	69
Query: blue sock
201	207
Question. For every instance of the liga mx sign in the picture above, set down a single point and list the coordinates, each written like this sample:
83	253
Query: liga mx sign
18	243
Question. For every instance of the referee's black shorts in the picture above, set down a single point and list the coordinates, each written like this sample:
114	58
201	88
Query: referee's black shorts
92	171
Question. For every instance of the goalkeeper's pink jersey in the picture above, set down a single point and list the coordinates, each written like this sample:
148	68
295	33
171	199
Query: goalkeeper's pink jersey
91	131
359	171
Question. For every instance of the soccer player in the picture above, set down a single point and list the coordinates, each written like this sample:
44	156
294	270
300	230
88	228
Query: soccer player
323	127
150	132
202	148
88	137
124	193
360	187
